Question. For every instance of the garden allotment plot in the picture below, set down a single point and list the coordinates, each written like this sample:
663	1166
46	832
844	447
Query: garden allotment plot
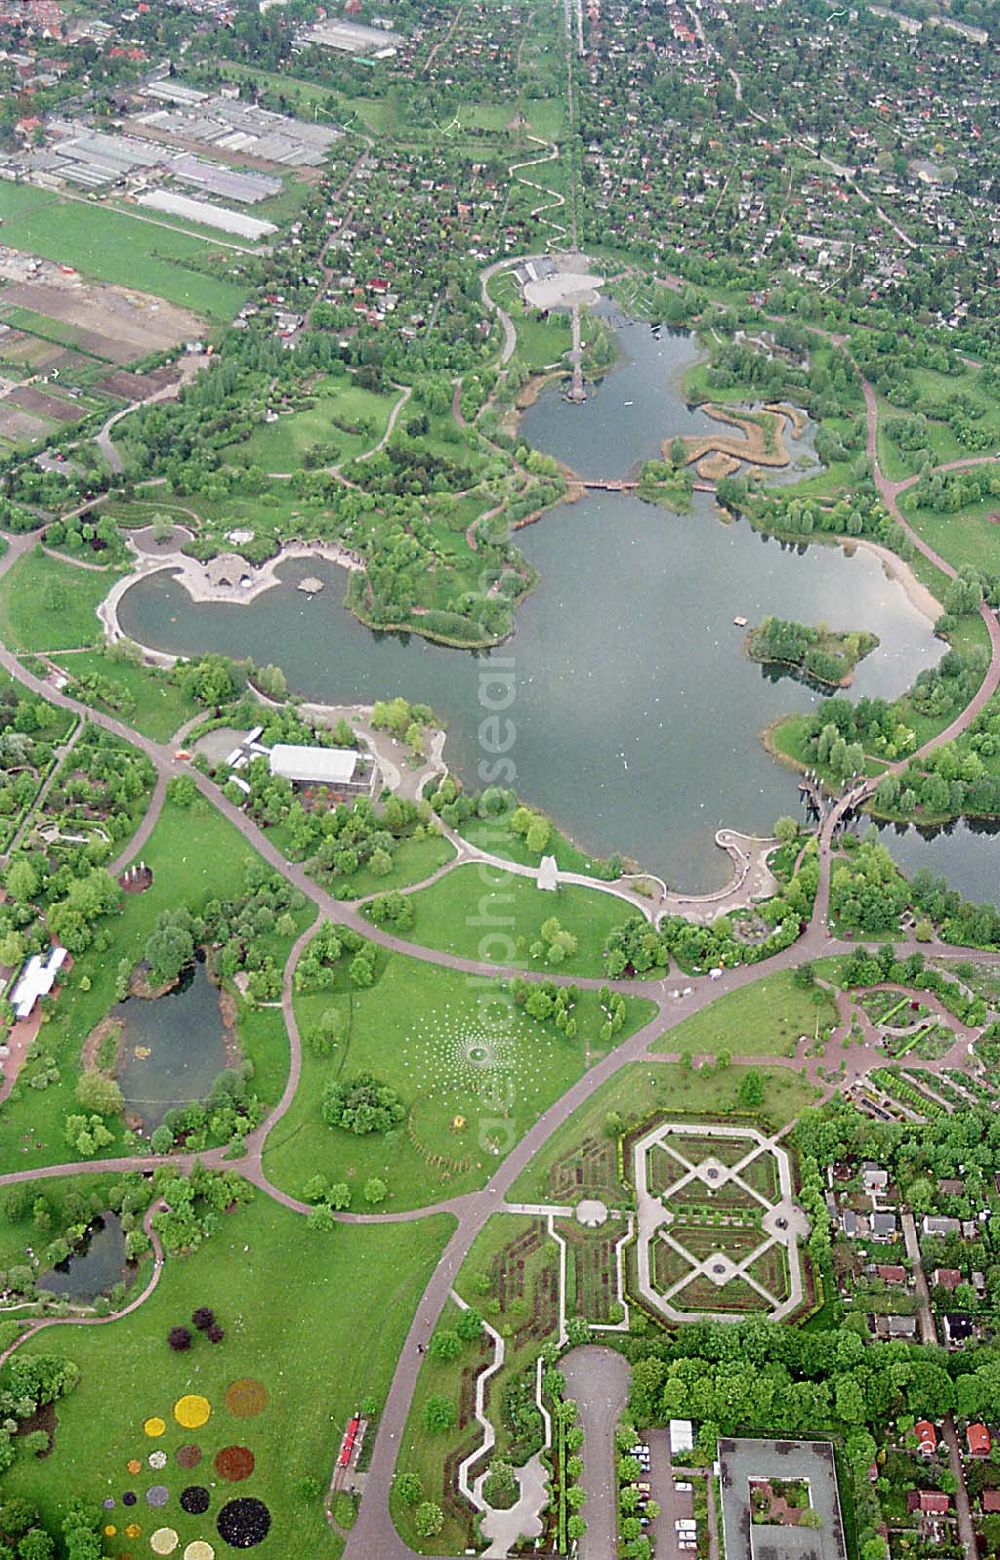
719	1230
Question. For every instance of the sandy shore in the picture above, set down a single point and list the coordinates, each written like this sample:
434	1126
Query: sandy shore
917	593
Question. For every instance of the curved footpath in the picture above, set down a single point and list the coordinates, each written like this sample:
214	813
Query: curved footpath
374	1533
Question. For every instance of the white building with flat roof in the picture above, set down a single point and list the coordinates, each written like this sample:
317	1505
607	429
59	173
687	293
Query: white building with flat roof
36	980
314	765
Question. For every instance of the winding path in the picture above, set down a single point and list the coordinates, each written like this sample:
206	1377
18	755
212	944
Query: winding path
374	1533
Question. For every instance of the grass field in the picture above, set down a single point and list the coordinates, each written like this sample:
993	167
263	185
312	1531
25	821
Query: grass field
46	604
455	1051
470	913
288	1298
764	1019
644	1089
968	538
412	861
116	248
279	446
160	706
195	855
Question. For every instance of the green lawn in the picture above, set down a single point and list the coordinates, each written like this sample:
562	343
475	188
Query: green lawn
318	1318
455	1050
470	912
642	1090
116	248
967	538
195	855
279	446
412	861
765	1019
160	706
493	835
46	604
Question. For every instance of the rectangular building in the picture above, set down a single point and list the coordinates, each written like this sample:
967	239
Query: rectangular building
812	1462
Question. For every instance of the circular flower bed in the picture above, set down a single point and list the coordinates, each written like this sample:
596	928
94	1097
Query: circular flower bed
109	1503
157	1495
188	1456
194	1500
244	1523
234	1463
157	1459
164	1541
199	1550
155	1426
134	1465
110	1530
192	1411
129	1498
133	1530
246	1398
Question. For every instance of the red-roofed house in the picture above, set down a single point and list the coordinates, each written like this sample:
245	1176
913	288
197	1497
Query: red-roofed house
930	1503
990	1500
926	1437
980	1442
891	1273
946	1278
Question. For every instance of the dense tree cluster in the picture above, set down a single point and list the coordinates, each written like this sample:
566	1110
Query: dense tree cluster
361	1104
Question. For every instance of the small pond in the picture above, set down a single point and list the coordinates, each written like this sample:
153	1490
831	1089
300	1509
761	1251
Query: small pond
173	1047
96	1265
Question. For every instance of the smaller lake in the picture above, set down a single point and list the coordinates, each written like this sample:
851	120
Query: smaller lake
632	409
173	1047
95	1267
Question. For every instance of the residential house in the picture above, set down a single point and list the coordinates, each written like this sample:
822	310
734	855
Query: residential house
891	1272
989	1500
979	1440
946	1278
930	1503
883	1226
934	1224
926	1436
958	1329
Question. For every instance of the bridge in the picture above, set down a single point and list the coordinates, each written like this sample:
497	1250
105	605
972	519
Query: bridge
613	485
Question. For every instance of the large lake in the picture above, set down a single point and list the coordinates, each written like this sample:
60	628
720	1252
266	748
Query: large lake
636	717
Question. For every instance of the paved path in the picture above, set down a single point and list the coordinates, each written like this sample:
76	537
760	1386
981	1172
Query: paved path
598	1380
374	1533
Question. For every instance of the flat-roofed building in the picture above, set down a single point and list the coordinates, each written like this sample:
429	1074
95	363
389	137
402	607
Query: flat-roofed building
338	770
742	1462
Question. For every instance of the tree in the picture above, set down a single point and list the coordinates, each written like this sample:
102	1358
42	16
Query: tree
361	1105
428	1519
180	1339
169	947
409	1488
786	829
445	1345
751	1089
376	1190
96	1092
469	1326
21	881
439	1414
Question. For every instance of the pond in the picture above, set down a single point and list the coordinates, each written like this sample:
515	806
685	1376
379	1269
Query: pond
94	1267
173	1047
